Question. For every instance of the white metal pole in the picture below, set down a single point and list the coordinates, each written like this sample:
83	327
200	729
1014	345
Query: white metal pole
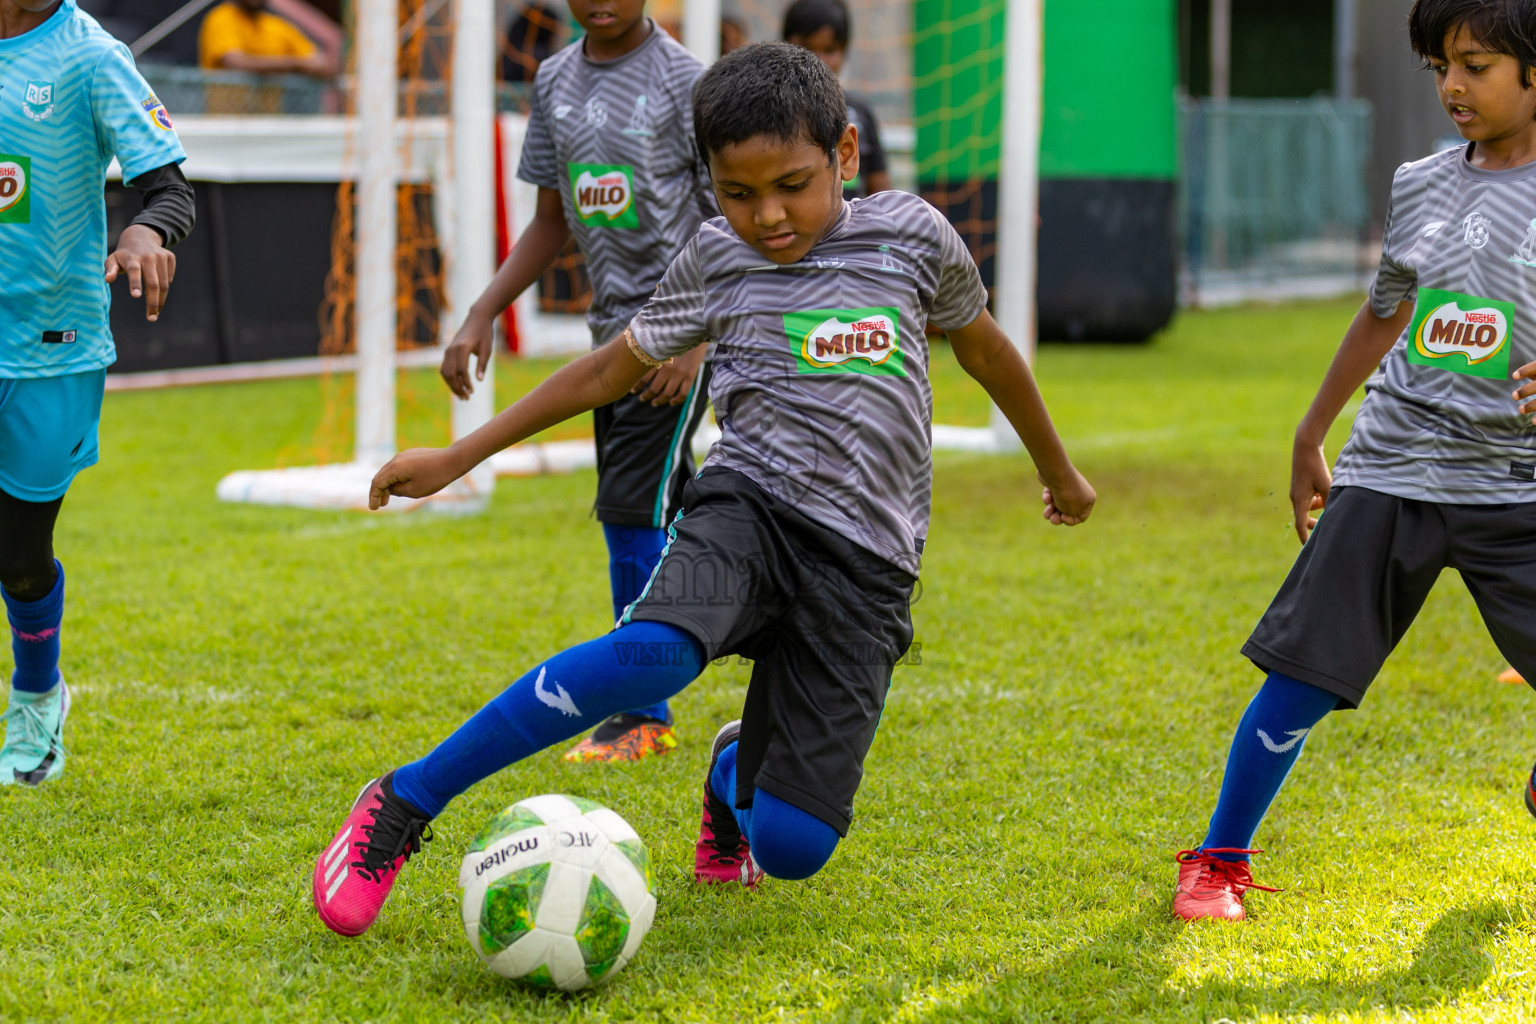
701	29
472	261
1018	191
377	27
1221	49
1345	47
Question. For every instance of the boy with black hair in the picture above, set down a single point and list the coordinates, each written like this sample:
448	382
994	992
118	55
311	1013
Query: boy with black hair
70	100
824	27
1440	467
610	146
798	543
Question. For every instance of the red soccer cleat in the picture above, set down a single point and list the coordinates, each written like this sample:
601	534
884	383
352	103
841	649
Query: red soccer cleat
355	873
722	856
1210	887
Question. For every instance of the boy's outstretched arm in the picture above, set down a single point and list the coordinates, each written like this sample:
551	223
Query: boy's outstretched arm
988	356
535	250
597	378
1368	339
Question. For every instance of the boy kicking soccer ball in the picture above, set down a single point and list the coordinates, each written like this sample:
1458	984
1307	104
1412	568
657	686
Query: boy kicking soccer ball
610	146
70	100
798	543
1440	467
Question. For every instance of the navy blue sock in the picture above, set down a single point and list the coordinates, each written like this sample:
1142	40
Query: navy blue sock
35	637
638	663
1268	741
786	842
633	552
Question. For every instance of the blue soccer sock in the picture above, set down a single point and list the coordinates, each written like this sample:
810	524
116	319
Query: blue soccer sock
35	637
633	552
1268	741
576	689
786	841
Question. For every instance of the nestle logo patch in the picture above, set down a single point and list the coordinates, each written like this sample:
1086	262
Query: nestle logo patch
1522	470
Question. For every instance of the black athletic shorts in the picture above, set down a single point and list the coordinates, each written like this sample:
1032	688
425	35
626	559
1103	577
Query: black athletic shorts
1364	574
645	456
824	620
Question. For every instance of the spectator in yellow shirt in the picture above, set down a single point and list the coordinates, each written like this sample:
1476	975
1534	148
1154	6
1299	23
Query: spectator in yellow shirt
242	35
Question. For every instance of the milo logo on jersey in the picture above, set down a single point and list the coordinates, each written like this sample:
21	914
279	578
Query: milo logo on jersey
866	341
1461	333
604	195
15	189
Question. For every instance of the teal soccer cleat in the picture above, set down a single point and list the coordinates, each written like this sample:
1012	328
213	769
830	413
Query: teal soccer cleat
34	736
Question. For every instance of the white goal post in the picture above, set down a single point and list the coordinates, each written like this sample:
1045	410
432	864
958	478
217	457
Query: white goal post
1018	192
467	189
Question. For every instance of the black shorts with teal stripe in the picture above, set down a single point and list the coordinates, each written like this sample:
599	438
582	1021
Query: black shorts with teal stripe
824	620
645	456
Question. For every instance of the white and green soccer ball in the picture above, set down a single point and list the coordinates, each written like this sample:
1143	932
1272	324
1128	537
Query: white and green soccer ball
557	892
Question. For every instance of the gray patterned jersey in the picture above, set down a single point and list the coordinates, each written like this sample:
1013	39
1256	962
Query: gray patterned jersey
1438	423
616	138
821	367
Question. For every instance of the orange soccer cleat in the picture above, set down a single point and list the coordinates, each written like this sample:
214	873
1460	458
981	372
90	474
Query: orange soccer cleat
625	737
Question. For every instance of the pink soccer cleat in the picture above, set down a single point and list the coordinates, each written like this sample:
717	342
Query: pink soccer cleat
355	873
721	855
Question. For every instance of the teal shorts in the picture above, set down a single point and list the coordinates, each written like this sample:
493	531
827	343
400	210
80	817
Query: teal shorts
48	432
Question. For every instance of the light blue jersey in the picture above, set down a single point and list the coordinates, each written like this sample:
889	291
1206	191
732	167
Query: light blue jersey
70	100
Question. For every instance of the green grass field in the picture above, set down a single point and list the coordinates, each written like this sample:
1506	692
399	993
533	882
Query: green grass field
241	671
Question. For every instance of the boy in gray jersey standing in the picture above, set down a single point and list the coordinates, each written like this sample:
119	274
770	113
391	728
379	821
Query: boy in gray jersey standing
611	149
1440	468
798	543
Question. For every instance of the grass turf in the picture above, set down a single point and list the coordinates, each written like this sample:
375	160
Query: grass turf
240	671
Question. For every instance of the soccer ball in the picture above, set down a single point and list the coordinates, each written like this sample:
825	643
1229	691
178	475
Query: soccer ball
557	892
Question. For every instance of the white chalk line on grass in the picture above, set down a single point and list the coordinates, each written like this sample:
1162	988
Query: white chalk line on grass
183	694
947	690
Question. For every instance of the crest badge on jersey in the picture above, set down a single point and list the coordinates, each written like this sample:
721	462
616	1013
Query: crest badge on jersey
157	113
639	118
1525	252
1474	230
38	103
